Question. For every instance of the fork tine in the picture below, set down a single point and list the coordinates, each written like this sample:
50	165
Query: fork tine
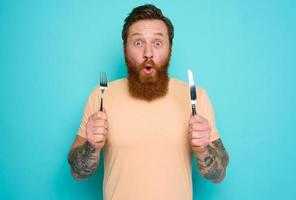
103	79
106	78
103	86
101	76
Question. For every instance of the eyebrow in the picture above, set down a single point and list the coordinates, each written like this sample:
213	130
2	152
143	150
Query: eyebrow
158	33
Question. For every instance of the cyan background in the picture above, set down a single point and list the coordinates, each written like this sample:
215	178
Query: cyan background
242	52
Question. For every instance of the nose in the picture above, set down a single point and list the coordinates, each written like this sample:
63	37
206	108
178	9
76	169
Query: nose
148	52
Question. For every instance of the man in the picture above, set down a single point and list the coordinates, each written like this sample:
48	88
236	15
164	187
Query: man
147	131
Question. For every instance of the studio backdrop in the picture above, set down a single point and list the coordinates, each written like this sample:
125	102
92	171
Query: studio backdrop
241	52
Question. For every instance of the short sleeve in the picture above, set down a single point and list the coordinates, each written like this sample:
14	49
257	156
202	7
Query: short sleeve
206	110
91	106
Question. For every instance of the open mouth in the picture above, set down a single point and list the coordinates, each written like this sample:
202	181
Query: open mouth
148	69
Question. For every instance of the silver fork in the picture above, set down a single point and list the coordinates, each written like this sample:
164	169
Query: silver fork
103	87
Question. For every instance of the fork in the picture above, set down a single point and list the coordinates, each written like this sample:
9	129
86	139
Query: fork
103	87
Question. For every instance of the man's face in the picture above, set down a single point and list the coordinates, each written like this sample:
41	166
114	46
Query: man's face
147	50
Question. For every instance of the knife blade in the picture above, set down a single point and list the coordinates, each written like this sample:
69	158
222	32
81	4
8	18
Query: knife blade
192	89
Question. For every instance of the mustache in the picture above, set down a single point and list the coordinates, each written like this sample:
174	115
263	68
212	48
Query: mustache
148	62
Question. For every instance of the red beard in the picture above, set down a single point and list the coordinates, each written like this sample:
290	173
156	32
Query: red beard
148	86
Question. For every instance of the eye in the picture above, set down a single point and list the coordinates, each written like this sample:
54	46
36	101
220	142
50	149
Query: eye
138	43
157	44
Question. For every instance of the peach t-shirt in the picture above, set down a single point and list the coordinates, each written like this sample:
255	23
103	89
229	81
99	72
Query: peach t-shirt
148	154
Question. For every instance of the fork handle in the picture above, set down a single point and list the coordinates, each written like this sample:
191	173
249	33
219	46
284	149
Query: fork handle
193	109
101	106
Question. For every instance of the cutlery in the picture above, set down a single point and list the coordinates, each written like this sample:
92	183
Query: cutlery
103	87
192	89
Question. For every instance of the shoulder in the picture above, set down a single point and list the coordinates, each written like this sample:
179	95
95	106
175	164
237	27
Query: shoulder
118	82
177	84
116	87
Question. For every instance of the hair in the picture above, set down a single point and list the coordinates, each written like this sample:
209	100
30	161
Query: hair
146	12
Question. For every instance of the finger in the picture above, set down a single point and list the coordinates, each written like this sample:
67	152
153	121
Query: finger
192	137
199	142
196	142
99	115
99	131
200	127
200	135
196	119
98	138
100	142
100	123
195	135
101	126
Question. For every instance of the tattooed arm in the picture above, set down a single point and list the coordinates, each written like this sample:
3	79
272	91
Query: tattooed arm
83	158
212	161
85	152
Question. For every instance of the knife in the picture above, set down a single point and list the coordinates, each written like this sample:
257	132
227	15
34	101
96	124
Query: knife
192	89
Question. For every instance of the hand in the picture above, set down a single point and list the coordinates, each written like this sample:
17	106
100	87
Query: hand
97	129
199	133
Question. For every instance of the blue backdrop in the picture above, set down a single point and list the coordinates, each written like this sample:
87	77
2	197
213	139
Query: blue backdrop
242	52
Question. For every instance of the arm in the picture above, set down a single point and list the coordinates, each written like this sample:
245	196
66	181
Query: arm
212	158
83	158
85	152
212	161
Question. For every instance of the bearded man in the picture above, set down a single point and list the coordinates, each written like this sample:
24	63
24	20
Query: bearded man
146	131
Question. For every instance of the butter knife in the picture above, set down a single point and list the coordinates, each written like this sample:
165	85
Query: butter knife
192	89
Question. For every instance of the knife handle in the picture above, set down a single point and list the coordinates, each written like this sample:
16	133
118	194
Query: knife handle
193	109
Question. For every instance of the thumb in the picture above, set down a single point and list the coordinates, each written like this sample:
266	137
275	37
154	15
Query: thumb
101	114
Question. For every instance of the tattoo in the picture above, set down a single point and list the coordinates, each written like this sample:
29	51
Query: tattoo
213	162
221	151
83	160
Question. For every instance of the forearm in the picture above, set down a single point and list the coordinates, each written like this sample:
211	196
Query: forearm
83	160
212	162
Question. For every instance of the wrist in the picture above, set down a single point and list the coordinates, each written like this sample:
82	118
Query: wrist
92	147
200	149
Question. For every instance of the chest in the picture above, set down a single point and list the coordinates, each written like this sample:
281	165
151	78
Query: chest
138	124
